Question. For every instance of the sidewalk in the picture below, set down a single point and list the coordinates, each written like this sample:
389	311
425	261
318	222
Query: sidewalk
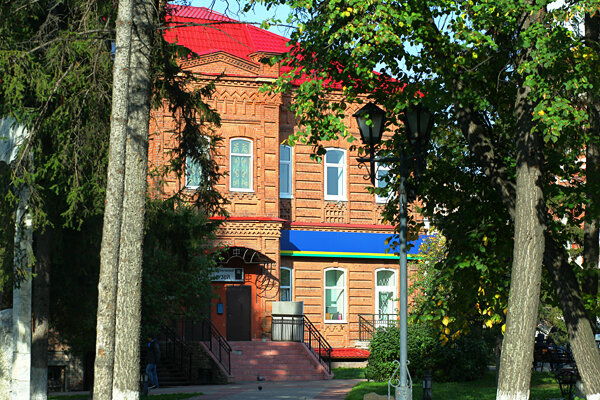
331	389
307	390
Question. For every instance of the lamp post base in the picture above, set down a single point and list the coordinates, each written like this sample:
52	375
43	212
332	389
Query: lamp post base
403	393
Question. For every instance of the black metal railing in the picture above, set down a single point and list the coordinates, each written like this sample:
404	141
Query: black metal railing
369	323
176	352
217	344
317	344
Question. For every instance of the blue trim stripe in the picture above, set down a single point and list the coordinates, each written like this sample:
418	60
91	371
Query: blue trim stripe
341	244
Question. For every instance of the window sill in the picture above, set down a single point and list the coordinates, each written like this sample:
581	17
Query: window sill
286	196
336	321
336	200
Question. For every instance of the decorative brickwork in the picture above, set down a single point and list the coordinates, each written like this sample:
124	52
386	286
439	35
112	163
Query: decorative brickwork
335	212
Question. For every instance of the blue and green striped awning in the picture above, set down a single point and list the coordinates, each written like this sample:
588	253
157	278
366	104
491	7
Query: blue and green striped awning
298	243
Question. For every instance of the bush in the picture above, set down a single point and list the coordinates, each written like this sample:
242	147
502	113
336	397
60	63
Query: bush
423	350
462	360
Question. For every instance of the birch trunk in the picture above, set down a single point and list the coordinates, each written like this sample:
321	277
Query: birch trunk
126	378
111	231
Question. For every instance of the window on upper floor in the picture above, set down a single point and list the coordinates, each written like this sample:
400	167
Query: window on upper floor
240	162
335	175
285	284
285	171
193	173
382	172
193	169
335	295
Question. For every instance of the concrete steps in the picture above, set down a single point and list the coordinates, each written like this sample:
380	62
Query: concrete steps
274	361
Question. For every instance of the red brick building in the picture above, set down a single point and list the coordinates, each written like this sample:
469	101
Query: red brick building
298	230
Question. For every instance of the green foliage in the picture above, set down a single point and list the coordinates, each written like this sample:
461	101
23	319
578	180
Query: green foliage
470	60
466	358
179	255
178	259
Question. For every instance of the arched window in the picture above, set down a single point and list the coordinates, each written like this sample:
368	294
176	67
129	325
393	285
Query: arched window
285	171
385	293
335	295
285	284
240	165
335	175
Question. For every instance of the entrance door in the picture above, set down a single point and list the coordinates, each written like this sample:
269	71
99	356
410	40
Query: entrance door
238	312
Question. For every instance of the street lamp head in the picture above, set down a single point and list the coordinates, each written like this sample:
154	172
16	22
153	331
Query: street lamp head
419	122
370	120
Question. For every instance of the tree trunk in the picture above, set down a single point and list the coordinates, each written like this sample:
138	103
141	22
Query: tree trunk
591	231
523	301
41	311
581	336
21	367
111	231
127	346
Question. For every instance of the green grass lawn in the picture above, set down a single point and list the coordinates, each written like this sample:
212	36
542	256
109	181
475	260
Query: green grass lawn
175	396
543	387
349	373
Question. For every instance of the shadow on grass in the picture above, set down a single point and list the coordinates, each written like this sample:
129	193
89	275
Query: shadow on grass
543	387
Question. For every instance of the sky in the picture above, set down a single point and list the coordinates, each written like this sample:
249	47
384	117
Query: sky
233	9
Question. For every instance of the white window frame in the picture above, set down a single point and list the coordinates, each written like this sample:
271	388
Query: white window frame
345	294
344	166
379	199
281	287
250	156
290	164
386	288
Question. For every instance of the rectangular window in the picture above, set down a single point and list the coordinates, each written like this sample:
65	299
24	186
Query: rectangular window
382	172
335	175
285	171
193	169
335	295
285	284
240	174
193	173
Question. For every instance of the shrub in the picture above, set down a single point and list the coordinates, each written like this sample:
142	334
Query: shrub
464	359
423	350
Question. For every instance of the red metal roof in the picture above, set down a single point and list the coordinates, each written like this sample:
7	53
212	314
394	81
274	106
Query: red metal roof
218	32
348	353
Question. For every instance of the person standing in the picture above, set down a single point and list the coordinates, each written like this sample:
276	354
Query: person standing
153	359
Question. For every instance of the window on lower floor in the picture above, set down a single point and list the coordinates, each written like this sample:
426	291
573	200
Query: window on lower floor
335	295
385	293
285	284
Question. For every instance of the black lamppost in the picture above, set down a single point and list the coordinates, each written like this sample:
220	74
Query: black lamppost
418	122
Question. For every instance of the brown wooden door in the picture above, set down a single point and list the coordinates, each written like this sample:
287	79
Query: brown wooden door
238	312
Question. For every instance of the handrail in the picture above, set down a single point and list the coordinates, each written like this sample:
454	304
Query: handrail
177	351
221	349
323	351
369	323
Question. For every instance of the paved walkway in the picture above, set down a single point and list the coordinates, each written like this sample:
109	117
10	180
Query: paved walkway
305	390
